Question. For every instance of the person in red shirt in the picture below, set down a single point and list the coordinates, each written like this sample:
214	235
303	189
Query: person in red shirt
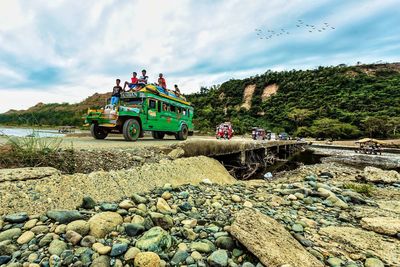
161	81
133	83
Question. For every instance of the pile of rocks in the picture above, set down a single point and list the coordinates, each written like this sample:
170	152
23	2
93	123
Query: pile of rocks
196	226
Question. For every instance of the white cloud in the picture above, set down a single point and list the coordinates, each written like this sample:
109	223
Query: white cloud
194	43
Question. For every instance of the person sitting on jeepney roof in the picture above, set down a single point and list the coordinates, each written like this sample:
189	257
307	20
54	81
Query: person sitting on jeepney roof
143	79
116	93
133	83
177	91
161	81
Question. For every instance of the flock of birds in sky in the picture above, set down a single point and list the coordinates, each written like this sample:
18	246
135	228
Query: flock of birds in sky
269	34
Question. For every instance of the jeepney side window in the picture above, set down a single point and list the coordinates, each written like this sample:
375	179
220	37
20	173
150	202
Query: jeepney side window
173	109
184	112
165	106
179	110
152	104
159	106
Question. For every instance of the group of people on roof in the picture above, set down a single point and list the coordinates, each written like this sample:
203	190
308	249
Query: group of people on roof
138	83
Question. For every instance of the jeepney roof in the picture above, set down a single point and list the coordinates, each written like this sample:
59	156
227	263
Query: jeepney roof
145	94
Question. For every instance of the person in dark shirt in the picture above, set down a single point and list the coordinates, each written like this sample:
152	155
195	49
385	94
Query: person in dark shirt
143	79
116	93
177	91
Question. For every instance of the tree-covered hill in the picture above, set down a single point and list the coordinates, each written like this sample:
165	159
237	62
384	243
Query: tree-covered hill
54	114
340	102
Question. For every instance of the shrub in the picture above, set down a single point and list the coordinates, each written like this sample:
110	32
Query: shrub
365	189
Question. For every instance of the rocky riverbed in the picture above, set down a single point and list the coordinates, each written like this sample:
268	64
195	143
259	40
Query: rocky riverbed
318	215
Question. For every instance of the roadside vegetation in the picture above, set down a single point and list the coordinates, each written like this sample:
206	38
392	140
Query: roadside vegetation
36	152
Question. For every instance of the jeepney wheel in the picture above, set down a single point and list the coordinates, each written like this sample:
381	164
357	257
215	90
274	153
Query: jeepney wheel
131	130
158	135
98	132
183	133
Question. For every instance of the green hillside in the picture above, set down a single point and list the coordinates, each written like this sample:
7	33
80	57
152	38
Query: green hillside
339	102
53	114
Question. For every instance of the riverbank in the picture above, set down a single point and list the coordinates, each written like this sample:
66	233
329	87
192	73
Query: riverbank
311	210
151	205
391	143
389	161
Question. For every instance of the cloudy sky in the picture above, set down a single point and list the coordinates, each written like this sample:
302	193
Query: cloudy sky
66	50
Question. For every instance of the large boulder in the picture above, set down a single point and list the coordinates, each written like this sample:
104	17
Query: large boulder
147	259
352	239
382	225
7	248
218	258
162	220
57	247
376	175
103	223
10	234
156	240
176	153
79	226
64	216
269	240
203	246
102	261
162	206
16	217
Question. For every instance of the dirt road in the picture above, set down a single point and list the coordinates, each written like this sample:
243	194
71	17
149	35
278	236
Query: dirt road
118	142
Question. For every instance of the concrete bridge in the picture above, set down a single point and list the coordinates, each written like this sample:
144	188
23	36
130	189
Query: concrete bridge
241	150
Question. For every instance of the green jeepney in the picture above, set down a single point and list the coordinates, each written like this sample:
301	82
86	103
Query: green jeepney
150	109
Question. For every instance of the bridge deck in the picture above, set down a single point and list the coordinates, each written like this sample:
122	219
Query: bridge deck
224	147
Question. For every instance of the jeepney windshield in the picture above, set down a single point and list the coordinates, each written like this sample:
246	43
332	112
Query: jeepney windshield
133	101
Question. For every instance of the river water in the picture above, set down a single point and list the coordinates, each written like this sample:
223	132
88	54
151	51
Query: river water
24	132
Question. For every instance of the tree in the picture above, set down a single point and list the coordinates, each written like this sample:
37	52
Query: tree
394	124
334	129
377	126
298	115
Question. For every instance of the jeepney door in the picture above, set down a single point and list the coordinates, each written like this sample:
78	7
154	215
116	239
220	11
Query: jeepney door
152	114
